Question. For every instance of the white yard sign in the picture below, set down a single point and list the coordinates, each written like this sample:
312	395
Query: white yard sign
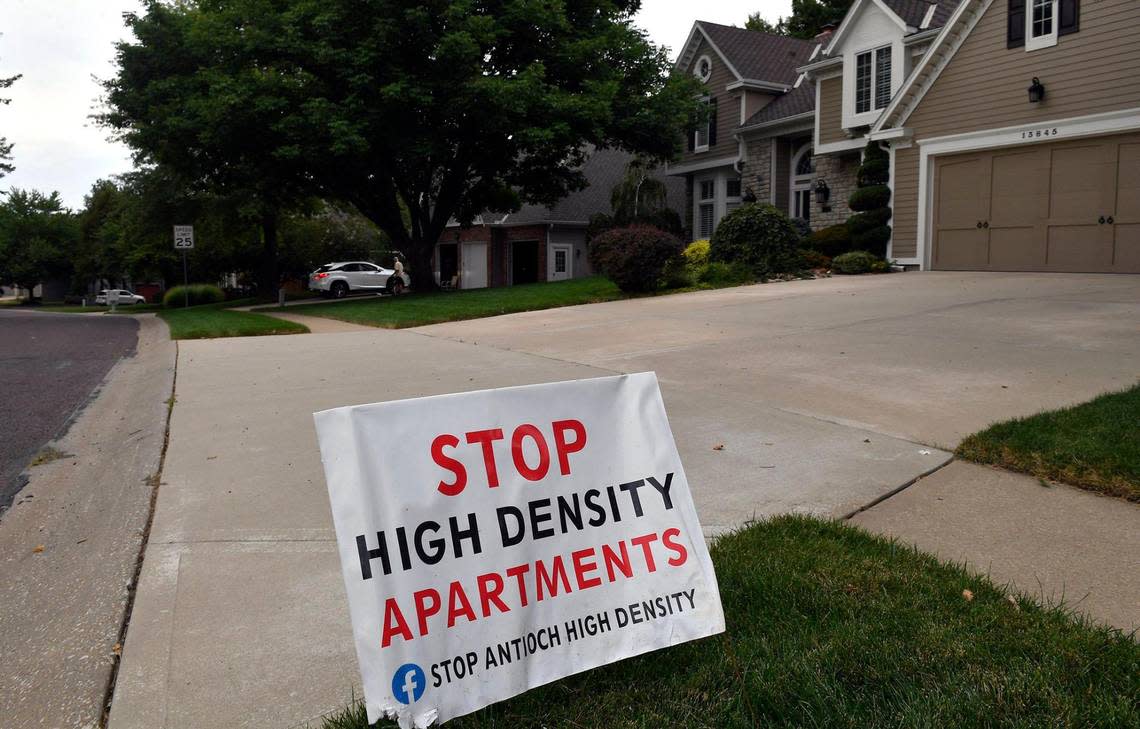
495	541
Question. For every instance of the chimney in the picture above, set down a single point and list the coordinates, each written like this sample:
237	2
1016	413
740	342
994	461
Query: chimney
824	34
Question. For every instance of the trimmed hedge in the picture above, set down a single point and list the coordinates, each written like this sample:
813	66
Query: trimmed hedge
634	257
759	237
831	241
869	198
176	297
858	262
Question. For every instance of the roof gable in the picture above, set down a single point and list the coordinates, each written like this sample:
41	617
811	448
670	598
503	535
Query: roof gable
749	54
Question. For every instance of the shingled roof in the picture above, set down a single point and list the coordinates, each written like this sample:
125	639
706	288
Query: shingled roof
603	169
913	12
800	100
759	56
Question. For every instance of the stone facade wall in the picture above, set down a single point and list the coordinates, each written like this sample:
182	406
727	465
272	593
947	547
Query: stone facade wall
757	168
839	170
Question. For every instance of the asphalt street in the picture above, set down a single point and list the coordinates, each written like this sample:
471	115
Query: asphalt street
49	366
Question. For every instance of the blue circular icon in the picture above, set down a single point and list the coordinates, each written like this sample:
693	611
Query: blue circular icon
408	683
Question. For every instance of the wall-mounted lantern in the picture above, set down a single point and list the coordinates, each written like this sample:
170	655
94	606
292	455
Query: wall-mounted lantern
822	193
1036	91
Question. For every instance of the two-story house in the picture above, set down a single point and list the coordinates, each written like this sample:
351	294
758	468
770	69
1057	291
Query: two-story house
749	79
1013	128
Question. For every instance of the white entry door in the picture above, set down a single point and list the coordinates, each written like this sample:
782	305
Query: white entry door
561	263
473	258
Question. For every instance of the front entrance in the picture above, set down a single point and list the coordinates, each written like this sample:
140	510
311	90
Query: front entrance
474	274
560	263
1070	206
524	261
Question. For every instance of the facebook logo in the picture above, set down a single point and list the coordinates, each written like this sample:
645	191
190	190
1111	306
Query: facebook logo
408	683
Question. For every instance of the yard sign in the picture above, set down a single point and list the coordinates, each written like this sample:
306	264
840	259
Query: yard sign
495	541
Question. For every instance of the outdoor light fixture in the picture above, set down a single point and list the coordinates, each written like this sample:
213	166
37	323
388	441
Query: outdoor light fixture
822	191
1036	91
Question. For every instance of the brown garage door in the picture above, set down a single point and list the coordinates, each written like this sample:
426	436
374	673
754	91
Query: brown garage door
1069	206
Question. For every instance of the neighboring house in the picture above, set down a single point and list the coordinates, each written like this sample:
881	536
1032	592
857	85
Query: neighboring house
1013	128
758	134
536	243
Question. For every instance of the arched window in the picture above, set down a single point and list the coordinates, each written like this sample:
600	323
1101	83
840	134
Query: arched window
803	168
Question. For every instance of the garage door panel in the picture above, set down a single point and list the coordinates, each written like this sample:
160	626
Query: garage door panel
962	200
1079	248
1126	251
1016	248
1128	184
963	249
1020	185
1081	182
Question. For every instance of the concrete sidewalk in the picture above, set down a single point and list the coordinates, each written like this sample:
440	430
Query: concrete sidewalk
1056	543
823	394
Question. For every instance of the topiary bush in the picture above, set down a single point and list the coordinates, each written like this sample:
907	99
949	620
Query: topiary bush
858	262
634	257
759	237
198	294
831	241
871	202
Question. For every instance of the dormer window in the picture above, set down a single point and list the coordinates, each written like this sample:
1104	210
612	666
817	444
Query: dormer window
872	80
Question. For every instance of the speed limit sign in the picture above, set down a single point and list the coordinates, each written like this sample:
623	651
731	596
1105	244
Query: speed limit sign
183	237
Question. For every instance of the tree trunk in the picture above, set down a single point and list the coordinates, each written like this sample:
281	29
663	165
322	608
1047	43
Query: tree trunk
270	278
420	265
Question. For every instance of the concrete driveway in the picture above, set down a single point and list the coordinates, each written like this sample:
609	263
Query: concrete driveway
826	395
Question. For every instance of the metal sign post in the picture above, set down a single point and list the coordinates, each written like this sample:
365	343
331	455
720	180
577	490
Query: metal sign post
184	241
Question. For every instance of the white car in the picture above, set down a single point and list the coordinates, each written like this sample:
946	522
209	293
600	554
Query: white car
341	279
126	298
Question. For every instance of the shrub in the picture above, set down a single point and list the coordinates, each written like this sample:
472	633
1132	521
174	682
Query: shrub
725	274
832	240
869	198
696	254
858	262
802	227
759	237
634	257
197	294
815	259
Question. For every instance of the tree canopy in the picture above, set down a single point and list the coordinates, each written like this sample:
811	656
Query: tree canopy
807	19
416	113
5	145
36	233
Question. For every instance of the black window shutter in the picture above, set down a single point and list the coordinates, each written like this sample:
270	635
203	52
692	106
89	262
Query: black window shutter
1015	27
1070	21
692	139
712	122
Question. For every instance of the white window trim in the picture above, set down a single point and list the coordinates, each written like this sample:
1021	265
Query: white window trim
697	69
707	100
874	53
1043	41
799	183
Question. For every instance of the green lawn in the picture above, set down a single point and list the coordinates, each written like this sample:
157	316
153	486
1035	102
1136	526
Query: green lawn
829	626
1095	445
216	320
413	310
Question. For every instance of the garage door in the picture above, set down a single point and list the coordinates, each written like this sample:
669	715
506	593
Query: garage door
1070	206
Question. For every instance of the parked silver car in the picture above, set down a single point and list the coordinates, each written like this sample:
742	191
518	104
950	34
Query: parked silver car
125	298
341	279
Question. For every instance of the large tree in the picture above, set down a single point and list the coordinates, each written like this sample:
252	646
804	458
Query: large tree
416	113
5	145
37	236
208	91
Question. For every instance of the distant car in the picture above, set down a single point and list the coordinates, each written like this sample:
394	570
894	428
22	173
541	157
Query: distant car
338	280
126	298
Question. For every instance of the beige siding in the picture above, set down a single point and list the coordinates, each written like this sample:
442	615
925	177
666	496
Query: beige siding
904	219
830	112
1093	70
984	87
728	109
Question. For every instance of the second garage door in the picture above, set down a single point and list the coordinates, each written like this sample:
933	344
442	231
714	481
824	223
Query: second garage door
1071	206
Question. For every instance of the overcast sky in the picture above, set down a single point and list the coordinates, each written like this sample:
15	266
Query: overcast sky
60	45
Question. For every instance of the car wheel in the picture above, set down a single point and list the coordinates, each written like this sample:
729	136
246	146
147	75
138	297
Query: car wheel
339	290
396	286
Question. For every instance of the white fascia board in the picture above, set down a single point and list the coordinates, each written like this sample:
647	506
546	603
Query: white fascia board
701	165
926	19
685	57
846	145
755	85
849	20
805	120
920	36
927	60
893	133
813	68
